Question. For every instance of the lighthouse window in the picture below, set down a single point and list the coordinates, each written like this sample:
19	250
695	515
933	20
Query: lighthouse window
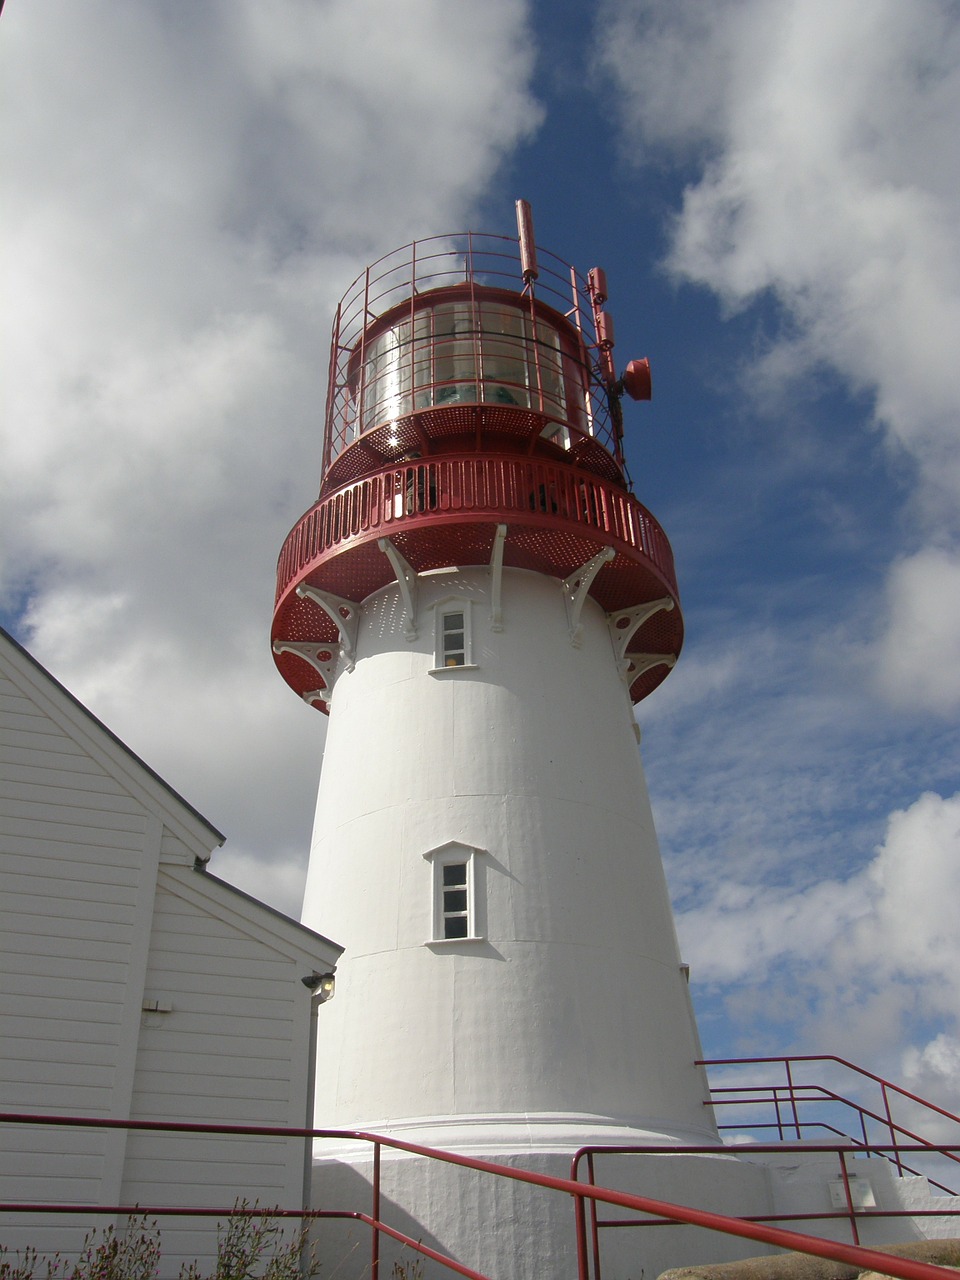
454	638
452	641
458	910
456	918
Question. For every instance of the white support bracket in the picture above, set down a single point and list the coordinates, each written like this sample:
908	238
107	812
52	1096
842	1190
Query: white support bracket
496	567
575	590
342	613
625	625
638	663
326	667
407	582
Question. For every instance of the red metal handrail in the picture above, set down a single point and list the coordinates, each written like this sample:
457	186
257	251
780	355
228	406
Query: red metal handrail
856	1255
850	1213
819	1093
798	1093
787	1060
460	487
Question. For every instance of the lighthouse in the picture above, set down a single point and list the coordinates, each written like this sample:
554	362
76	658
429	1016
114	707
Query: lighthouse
478	600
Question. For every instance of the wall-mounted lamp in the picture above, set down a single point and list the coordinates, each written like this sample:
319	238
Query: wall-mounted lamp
321	984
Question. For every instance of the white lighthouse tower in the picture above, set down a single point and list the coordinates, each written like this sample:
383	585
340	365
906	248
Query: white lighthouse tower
477	600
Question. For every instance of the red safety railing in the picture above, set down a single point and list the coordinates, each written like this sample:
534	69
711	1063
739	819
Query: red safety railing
755	1229
798	1107
462	488
583	1166
460	260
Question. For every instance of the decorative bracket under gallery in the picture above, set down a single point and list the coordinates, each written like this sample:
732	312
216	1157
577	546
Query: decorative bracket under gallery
624	625
322	656
407	582
342	613
496	570
576	588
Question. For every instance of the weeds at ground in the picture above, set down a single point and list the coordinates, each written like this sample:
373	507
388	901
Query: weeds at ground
249	1245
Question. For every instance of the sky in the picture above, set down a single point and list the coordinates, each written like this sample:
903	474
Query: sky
773	188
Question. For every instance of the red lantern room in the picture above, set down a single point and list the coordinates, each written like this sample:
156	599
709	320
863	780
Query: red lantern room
473	417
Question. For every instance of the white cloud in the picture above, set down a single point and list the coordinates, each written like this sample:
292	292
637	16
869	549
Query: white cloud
868	961
919	655
190	189
897	916
914	885
826	175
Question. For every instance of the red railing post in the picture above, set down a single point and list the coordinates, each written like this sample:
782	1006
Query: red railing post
890	1126
793	1098
375	1234
594	1225
848	1196
580	1220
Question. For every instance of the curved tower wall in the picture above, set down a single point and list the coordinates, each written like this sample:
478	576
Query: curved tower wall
476	598
569	1008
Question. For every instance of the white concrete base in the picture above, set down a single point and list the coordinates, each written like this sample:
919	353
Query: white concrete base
509	1230
811	1182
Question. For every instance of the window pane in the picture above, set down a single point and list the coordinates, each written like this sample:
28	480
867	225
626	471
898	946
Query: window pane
455	900
455	873
455	927
453	643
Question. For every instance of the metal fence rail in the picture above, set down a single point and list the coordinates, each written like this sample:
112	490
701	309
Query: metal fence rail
583	1194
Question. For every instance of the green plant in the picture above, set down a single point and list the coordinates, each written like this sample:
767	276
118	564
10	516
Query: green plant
25	1267
131	1256
412	1270
134	1255
252	1245
249	1244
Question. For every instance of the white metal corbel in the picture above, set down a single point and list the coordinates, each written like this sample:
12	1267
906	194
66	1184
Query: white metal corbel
638	663
625	624
496	568
407	582
326	668
576	587
342	613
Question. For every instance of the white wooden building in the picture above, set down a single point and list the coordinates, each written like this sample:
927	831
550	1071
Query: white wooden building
135	985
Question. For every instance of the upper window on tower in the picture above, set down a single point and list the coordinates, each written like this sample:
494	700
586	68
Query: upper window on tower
453	639
453	636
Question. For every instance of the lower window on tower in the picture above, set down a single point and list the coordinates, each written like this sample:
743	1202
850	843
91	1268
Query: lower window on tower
458	901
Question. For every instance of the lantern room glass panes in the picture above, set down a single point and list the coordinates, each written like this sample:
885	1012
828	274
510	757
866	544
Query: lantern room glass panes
464	352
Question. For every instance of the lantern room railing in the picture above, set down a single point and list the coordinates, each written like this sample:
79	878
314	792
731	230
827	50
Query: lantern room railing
450	320
461	489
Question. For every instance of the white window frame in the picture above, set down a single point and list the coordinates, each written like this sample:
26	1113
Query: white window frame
456	854
447	609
